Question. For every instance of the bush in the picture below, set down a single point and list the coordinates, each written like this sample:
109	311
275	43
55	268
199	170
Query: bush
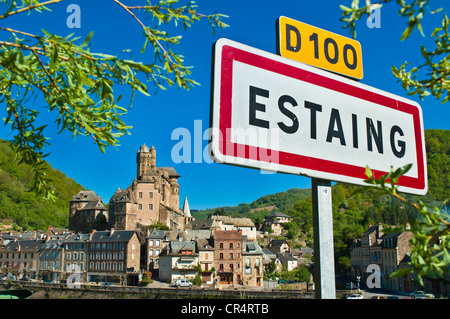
146	278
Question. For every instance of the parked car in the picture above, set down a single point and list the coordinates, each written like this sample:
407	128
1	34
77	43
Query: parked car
181	283
420	294
47	280
355	296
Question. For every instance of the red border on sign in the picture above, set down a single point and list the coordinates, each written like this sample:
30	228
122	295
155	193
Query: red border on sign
230	54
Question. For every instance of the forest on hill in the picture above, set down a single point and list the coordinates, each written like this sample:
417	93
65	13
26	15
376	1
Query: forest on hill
20	208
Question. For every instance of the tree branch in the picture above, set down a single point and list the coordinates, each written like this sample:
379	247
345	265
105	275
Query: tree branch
29	8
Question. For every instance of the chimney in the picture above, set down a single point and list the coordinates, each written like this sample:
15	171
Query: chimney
49	231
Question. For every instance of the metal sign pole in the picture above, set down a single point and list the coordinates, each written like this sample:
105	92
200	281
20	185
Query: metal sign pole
323	240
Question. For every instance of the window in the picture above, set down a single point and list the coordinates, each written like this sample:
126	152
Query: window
140	194
221	256
221	245
231	245
139	206
150	195
150	206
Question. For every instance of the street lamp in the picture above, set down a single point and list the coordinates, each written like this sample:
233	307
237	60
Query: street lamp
358	278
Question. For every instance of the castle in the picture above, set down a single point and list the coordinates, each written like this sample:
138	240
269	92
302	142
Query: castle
152	198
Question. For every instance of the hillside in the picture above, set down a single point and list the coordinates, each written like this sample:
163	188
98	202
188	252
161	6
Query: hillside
438	158
259	208
21	206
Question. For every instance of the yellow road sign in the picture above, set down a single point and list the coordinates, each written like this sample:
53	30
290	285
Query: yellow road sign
324	49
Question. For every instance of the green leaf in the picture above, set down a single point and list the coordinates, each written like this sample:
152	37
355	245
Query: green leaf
407	32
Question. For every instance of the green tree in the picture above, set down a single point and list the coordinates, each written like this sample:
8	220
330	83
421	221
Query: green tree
433	76
79	85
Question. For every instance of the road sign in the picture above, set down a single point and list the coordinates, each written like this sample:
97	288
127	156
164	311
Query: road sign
324	49
274	114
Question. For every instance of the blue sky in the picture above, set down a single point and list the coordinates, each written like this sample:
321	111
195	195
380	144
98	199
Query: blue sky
252	22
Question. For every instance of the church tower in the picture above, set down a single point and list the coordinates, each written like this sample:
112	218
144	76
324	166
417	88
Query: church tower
146	160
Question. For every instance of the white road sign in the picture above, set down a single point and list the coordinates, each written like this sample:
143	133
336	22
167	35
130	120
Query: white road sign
275	114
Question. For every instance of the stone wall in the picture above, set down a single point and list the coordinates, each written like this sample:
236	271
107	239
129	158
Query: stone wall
62	291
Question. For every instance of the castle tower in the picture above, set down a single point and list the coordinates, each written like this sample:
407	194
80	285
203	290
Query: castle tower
146	160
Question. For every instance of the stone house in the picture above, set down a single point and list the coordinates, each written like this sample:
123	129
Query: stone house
155	243
395	248
245	225
288	261
206	259
274	222
279	246
387	251
365	251
51	258
113	256
253	272
21	258
228	256
156	240
179	259
87	212
76	255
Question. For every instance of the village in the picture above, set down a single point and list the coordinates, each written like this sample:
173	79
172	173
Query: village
143	234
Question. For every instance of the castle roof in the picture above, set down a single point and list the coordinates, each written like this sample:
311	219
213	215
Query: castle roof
144	149
186	210
94	205
172	172
116	236
86	196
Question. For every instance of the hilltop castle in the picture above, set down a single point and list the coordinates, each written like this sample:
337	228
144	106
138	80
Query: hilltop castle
152	197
